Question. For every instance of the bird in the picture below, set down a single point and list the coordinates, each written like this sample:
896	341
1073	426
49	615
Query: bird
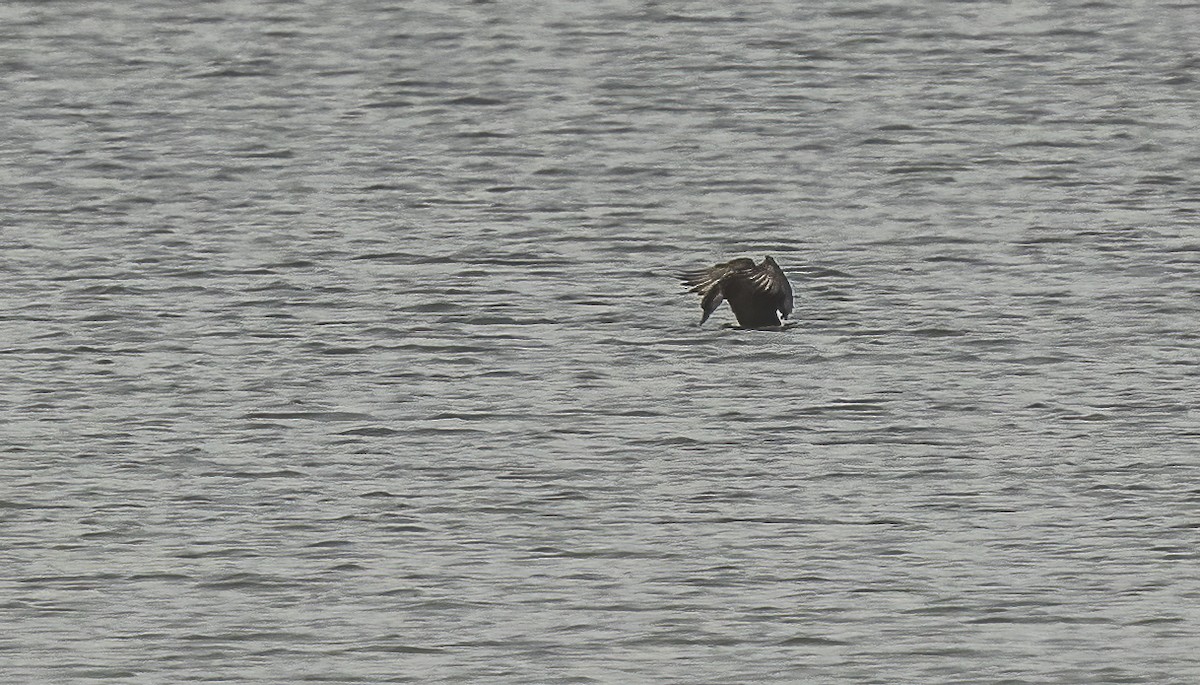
757	293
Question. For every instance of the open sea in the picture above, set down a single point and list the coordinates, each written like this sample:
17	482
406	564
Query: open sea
339	342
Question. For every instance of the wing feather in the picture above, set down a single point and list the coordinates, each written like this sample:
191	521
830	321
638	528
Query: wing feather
700	281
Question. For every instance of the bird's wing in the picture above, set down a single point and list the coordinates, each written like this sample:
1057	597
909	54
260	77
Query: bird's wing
769	280
707	283
703	280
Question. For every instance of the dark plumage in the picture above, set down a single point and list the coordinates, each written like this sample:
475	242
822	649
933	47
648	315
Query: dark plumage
757	293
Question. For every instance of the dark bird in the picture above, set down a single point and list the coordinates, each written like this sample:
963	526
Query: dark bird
757	293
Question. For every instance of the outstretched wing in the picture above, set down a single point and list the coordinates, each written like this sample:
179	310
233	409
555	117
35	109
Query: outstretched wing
703	280
707	283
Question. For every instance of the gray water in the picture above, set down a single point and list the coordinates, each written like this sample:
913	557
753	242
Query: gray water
340	342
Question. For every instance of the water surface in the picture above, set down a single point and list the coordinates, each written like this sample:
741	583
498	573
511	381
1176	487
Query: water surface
340	343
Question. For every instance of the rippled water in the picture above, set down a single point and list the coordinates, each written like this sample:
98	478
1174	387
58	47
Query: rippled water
340	342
